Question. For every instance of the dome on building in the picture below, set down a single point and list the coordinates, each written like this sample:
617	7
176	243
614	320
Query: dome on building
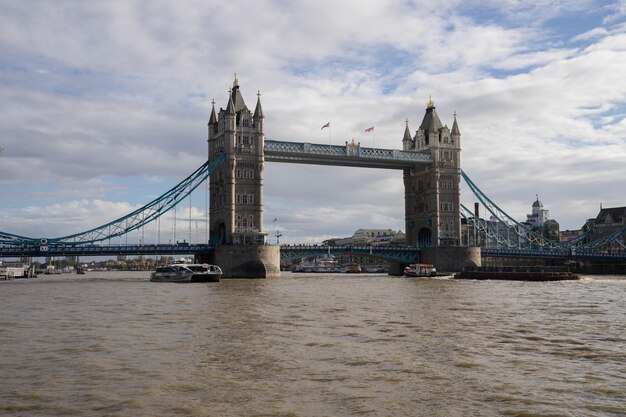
537	203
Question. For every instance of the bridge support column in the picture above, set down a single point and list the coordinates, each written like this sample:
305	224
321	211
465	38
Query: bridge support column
452	258
397	268
245	261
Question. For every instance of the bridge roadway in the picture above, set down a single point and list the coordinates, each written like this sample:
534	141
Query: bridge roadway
401	254
288	252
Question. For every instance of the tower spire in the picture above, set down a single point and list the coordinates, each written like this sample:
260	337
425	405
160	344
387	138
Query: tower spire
230	108
431	103
213	117
258	111
455	127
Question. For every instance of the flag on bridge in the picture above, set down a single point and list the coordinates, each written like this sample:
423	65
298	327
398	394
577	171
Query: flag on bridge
326	125
369	129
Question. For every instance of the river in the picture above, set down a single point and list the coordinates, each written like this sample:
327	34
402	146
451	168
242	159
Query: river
114	344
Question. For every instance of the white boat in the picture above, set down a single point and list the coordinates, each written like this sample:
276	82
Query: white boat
420	270
187	273
325	264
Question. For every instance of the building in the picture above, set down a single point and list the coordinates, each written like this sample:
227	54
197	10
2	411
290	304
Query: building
370	237
569	234
236	210
365	237
432	194
551	230
608	221
538	216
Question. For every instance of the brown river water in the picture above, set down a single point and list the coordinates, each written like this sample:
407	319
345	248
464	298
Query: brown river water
114	344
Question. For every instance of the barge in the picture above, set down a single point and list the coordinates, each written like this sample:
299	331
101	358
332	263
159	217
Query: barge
518	274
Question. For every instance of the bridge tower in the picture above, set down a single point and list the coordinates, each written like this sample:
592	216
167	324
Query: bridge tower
432	193
236	190
236	209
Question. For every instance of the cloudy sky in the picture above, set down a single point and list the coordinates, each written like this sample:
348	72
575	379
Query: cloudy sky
105	104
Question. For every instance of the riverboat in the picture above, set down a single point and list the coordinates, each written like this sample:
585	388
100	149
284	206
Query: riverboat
352	268
375	268
187	273
420	270
518	274
325	264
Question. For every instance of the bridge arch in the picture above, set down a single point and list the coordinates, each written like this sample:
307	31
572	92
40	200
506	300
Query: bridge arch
424	235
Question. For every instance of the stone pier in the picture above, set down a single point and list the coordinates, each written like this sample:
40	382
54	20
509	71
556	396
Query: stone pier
245	261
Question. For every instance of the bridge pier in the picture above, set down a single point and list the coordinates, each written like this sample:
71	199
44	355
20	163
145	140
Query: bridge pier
245	261
452	258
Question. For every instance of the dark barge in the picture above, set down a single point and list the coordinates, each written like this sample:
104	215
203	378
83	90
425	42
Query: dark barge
519	274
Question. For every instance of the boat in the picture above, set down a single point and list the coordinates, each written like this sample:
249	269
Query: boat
324	264
518	274
352	268
420	270
186	273
375	268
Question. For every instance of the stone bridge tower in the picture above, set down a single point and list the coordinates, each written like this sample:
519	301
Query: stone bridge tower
236	191
236	210
432	193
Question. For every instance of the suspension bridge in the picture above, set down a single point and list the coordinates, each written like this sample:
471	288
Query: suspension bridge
506	236
434	215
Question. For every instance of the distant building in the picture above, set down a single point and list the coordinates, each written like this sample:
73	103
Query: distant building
396	238
538	216
569	234
551	230
608	220
338	241
370	237
365	237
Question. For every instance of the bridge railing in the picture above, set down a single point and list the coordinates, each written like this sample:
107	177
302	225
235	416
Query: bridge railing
301	151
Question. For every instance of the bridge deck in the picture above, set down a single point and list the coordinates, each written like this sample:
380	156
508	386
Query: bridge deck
350	155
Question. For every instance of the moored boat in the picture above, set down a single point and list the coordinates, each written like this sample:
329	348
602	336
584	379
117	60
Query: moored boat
187	273
352	268
325	264
420	270
518	274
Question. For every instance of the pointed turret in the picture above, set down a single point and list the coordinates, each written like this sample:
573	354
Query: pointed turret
237	98
230	107
407	141
431	122
455	127
258	111
213	117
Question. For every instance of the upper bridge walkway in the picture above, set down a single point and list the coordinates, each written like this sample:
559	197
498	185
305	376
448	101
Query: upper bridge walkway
350	155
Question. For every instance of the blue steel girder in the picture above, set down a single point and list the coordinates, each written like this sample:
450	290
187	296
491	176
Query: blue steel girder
101	250
615	237
10	239
403	254
511	225
351	155
484	227
131	221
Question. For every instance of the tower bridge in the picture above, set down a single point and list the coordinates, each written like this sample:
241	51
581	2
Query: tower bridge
430	161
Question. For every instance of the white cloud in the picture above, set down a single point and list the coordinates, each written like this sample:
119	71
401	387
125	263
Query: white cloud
101	99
